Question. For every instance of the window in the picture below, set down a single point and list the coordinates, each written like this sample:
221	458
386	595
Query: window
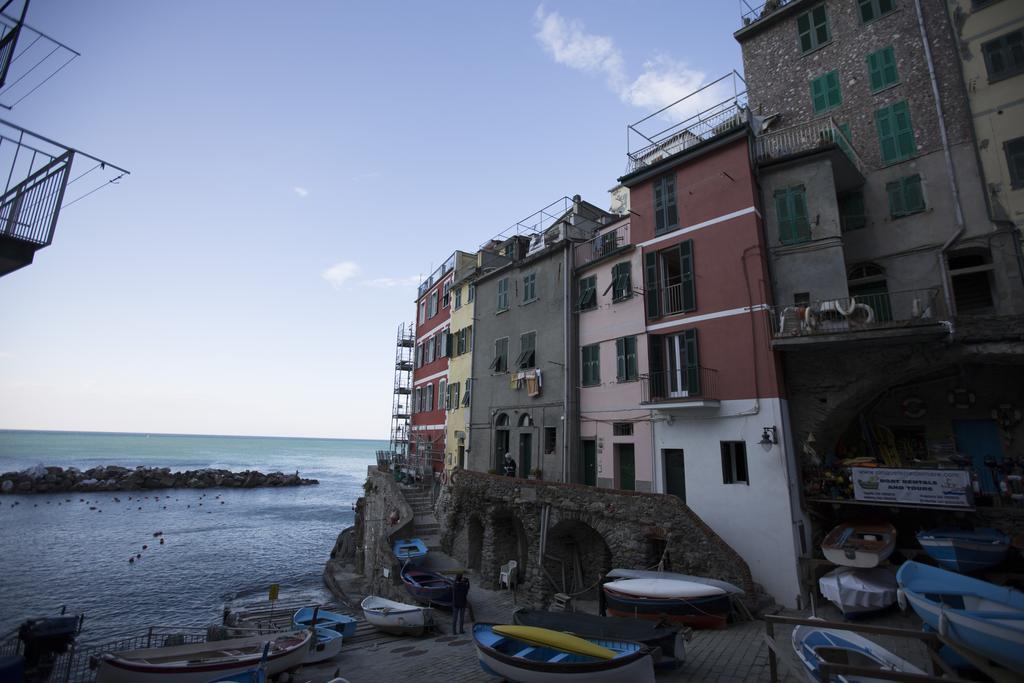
446	300
873	9
467	397
670	287
587	293
882	69
895	132
905	196
591	370
607	243
734	462
665	216
825	92
442	394
416	397
1015	161
500	362
970	272
625	359
430	397
432	307
446	345
550	440
622	286
851	211
1004	56
812	26
503	294
867	285
428	350
622	429
470	293
791	212
458	297
419	355
529	287
460	341
453	396
527	350
801	298
423	311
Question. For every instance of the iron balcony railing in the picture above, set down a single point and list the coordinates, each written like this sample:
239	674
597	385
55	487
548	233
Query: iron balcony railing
805	137
670	297
686	384
602	245
859	312
749	14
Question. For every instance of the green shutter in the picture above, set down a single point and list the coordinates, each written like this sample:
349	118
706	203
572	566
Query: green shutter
801	228
783	215
620	359
889	74
820	20
803	27
692	363
875	71
897	207
818	95
882	68
659	206
904	130
867	12
886	135
686	270
651	285
913	197
835	94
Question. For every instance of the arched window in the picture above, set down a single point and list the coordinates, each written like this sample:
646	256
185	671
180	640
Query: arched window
501	420
866	283
525	420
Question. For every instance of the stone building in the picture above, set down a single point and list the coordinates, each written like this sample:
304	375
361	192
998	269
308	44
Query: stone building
522	403
990	42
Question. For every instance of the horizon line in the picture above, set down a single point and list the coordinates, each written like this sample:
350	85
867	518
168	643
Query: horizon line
227	436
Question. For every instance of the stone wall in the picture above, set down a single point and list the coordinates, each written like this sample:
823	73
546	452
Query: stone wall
382	516
488	520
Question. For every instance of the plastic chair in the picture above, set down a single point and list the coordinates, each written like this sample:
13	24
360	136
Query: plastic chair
507	577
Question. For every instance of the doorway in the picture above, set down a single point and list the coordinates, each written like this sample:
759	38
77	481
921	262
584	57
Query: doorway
625	465
590	462
675	472
525	453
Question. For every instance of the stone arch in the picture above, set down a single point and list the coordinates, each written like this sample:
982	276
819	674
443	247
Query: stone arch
508	541
525	420
474	542
575	557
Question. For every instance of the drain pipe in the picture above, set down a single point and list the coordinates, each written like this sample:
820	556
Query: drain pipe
954	190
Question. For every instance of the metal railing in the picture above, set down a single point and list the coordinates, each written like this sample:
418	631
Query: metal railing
438	273
748	14
805	137
858	312
670	298
692	383
28	58
647	145
602	245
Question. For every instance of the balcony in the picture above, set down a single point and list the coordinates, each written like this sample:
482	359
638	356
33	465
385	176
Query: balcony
750	14
693	387
647	143
820	135
436	276
603	245
880	318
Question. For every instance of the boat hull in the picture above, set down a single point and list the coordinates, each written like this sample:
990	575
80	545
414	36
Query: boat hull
981	616
635	667
707	613
410	550
859	545
427	587
965	552
859	591
134	666
395	617
326	645
342	623
810	643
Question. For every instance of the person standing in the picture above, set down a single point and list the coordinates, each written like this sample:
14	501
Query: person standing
509	465
460	599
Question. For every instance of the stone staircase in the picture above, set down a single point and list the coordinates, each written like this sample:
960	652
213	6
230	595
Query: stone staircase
427	528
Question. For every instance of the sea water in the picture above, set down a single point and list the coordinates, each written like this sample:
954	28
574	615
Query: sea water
221	546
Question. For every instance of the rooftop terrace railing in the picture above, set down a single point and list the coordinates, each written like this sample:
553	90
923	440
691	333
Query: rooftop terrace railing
604	244
439	273
751	13
858	312
28	58
805	137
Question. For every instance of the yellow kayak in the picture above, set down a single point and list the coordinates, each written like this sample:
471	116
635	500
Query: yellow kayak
543	637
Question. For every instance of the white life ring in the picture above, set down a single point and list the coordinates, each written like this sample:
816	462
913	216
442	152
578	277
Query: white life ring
852	305
901	599
444	478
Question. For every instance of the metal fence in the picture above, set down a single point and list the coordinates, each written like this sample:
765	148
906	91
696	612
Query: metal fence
694	382
602	245
858	312
804	137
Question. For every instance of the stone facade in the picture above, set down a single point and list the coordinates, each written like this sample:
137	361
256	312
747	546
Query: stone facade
382	517
489	520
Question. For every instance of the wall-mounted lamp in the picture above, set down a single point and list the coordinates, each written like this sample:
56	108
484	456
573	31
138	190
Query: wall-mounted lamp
769	436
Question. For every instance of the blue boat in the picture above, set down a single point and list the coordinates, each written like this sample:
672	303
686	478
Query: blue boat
429	587
342	623
411	550
980	616
257	674
816	646
965	551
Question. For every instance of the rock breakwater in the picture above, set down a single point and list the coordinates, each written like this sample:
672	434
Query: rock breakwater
40	479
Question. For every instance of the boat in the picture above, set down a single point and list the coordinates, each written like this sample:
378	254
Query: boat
679	602
342	623
428	587
201	662
667	644
980	616
326	645
396	617
525	654
648	574
858	544
411	550
859	591
815	646
962	550
257	674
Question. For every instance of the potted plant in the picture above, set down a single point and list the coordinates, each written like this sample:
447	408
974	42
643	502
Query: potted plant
536	473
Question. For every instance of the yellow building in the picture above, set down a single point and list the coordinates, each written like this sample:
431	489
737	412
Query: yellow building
991	39
460	364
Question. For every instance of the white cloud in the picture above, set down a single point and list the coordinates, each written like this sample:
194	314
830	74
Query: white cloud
662	81
386	282
301	191
340	273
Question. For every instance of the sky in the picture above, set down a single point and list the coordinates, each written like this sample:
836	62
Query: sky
296	169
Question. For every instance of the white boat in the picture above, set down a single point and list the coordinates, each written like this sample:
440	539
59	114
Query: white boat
397	617
815	646
858	591
201	662
326	645
648	574
859	544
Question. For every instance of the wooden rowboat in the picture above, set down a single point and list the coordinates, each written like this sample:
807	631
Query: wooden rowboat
858	544
396	617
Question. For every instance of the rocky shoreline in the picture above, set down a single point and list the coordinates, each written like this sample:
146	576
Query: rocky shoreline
40	479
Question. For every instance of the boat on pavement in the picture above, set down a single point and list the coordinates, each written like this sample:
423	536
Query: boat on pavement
426	586
648	574
680	602
396	617
667	643
257	674
342	623
411	550
859	544
326	644
526	654
202	662
859	591
980	616
815	646
965	550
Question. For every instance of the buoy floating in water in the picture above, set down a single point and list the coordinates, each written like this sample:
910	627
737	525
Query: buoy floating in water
131	560
161	541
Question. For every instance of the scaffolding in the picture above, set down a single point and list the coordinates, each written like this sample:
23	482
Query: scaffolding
401	400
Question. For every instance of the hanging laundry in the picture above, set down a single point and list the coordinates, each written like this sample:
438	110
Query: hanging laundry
532	387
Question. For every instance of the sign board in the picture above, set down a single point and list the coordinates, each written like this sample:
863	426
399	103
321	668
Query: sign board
274	589
949	488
